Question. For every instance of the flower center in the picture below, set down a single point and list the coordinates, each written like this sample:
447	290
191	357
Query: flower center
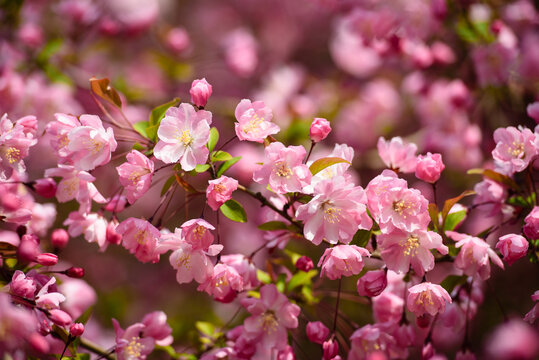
253	124
95	146
184	261
332	214
140	237
269	321
221	281
219	188
517	149
13	155
134	348
135	176
425	298
199	231
282	169
186	138
411	245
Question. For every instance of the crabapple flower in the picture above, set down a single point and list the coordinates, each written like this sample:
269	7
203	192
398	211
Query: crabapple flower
220	191
512	247
513	339
92	225
45	187
15	143
90	144
283	168
393	205
141	238
514	149
427	298
372	283
59	130
200	92
271	315
76	184
317	332
224	283
532	315
76	329
474	255
429	167
196	232
17	325
533	111
129	344
22	286
400	250
254	121
491	194
341	151
304	263
531	224
136	175
387	308
335	213
183	134
372	339
320	129
398	155
157	328
342	260
244	267
330	350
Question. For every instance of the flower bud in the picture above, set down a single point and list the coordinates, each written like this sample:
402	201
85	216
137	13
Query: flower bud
512	247
304	263
427	352
331	349
47	259
29	248
200	92
531	224
177	40
59	238
75	272
429	167
320	129
112	236
372	283
38	343
76	329
45	187
59	317
317	332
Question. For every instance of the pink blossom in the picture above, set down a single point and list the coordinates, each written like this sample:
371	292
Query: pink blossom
113	237
224	284
254	121
136	175
372	283
90	144
116	204
59	317
400	250
387	308
283	168
92	225
514	149
76	184
22	286
129	344
320	129
335	213
245	268
531	224
79	296
493	63
177	40
304	263
532	316
141	238
271	315
200	92
48	298
512	247
47	259
427	298
196	232
15	143
393	205
317	332
342	260
330	350
45	187
157	328
372	339
183	134
76	329
342	151
59	130
241	52
429	167
474	255
220	191
397	154
491	194
17	324
513	340
533	111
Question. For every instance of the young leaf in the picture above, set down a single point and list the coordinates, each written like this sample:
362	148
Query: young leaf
142	128
200	168
361	237
234	211
227	164
273	225
158	113
301	278
220	156
168	184
214	137
323	163
453	219
205	328
450	202
103	89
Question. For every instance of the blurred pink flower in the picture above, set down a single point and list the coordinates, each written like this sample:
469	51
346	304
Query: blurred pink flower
141	239
531	224
372	283
317	332
372	342
427	298
513	340
398	155
136	175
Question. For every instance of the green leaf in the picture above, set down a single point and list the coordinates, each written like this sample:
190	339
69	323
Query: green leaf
273	225
51	48
323	163
205	328
263	276
214	137
304	199
448	204
234	211
307	292
220	156
281	283
453	219
158	113
227	164
142	128
168	184
200	168
361	237
152	132
301	278
138	147
452	281
465	32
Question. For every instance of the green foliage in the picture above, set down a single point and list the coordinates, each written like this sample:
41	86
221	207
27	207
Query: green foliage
323	163
273	225
234	211
301	278
220	156
214	138
361	237
453	219
227	164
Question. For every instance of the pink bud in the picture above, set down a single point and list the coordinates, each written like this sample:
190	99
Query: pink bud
45	187
30	35
59	238
372	283
320	129
39	343
512	247
317	332
427	352
177	40
28	248
59	317
200	92
112	236
304	263
331	349
533	111
531	224
76	329
75	272
47	259
429	167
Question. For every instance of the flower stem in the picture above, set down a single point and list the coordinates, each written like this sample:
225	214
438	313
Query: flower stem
337	306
